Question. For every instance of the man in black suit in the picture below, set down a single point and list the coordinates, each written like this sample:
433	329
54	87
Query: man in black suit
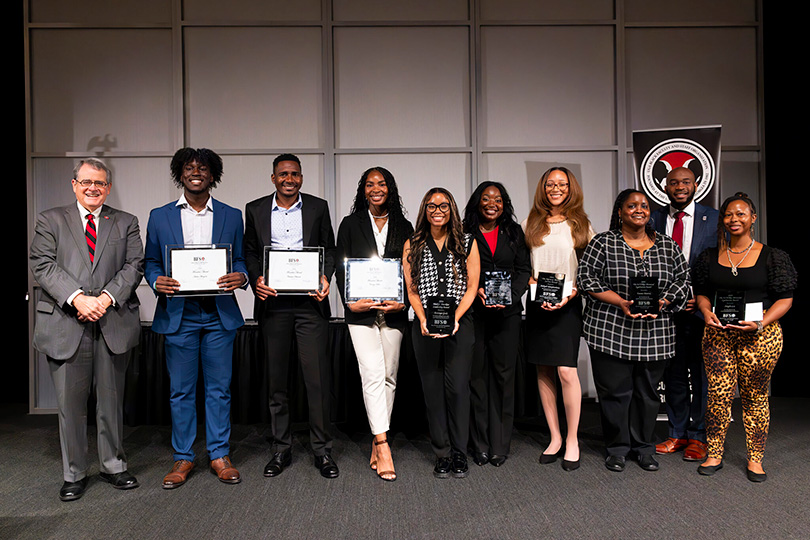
88	259
290	219
694	228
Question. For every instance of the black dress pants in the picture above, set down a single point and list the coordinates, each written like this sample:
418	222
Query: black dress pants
444	367
492	380
301	320
629	402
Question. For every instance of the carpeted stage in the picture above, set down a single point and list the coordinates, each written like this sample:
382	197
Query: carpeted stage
522	499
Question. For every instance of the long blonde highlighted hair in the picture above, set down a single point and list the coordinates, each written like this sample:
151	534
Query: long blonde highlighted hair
537	227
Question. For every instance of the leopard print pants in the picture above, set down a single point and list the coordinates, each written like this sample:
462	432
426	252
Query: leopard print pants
734	358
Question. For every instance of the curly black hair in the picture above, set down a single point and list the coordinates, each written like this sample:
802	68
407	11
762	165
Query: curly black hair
472	215
203	156
393	204
616	221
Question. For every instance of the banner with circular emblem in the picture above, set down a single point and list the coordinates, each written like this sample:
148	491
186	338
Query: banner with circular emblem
658	151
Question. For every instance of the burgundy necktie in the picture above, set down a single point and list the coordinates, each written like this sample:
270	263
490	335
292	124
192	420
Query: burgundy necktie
677	229
90	234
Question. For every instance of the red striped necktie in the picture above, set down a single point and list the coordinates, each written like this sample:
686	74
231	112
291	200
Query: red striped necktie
90	234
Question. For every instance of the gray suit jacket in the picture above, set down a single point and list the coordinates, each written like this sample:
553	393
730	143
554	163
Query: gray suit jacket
61	265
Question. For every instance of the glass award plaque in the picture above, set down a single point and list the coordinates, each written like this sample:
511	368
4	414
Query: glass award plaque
644	294
498	288
729	306
549	287
441	315
374	279
293	270
197	267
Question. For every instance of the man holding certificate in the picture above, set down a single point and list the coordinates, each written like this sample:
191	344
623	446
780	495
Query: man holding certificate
288	240
194	262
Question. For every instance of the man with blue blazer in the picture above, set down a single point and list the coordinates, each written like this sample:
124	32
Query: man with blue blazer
198	329
88	259
694	228
291	219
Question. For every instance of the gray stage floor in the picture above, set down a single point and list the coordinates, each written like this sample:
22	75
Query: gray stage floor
522	499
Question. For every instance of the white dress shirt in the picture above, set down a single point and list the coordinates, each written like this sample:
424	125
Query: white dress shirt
688	226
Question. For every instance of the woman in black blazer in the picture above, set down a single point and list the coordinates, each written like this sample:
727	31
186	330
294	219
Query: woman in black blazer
375	227
489	217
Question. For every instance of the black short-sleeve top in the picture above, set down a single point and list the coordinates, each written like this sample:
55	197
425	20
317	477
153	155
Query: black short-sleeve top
772	277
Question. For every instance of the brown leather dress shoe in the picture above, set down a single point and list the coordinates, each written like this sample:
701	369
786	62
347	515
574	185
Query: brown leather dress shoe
696	451
178	475
671	445
225	471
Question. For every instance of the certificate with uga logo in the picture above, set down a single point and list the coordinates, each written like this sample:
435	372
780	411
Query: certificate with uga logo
293	270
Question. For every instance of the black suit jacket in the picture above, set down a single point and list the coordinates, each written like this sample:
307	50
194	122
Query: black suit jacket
317	228
513	258
356	240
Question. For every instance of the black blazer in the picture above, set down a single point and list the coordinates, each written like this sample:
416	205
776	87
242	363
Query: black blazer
317	232
514	259
356	240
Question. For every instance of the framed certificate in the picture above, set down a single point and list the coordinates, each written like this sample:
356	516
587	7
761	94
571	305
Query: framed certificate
198	267
293	270
374	279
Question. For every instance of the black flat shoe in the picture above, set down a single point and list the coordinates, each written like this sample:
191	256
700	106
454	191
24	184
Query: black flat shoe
327	465
615	463
497	459
545	459
570	465
709	470
458	465
279	462
481	458
756	477
122	480
442	467
72	491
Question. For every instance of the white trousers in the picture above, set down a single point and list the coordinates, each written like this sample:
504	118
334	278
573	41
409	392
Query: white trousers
377	349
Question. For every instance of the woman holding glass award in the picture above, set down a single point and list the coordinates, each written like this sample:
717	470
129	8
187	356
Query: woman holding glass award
376	227
441	269
490	218
751	287
557	230
635	279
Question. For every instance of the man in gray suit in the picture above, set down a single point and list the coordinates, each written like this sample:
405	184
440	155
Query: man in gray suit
88	259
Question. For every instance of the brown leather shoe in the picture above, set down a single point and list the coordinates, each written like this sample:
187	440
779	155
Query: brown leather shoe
696	451
178	475
225	471
671	445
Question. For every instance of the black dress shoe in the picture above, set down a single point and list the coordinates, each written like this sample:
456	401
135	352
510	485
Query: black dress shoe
570	465
459	465
442	467
647	462
481	458
122	480
280	461
615	463
756	477
497	459
327	465
73	490
709	470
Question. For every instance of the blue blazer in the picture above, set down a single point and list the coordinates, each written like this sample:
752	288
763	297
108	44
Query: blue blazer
704	235
165	227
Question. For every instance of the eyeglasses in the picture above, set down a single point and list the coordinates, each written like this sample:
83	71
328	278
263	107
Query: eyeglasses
443	208
97	183
295	175
562	186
